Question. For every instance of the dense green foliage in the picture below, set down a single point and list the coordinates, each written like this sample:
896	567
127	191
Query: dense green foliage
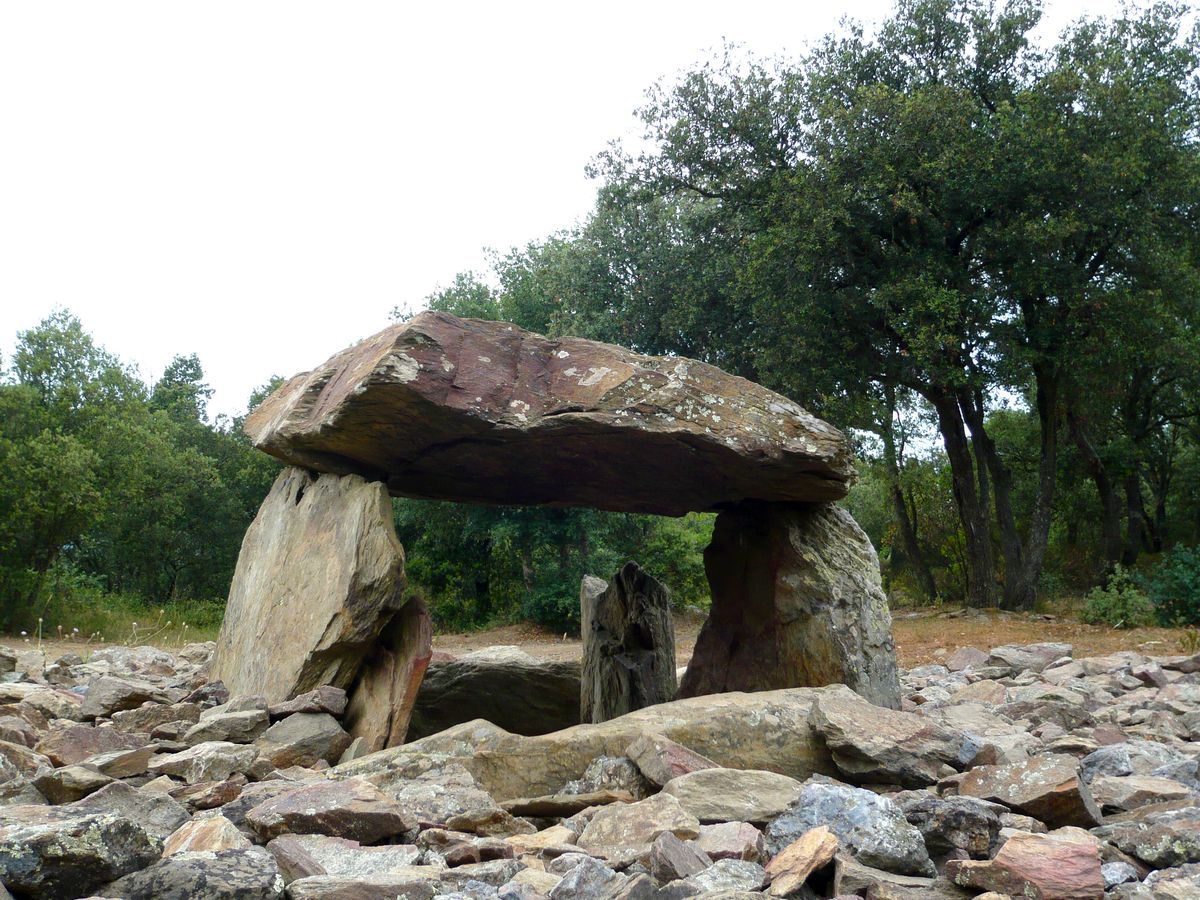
1175	587
114	491
1121	603
978	254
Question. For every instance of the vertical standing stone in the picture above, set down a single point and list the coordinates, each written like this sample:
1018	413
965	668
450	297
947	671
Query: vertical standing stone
796	602
628	644
381	703
320	574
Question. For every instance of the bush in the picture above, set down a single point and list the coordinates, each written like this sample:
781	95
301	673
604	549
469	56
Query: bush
1175	586
1120	604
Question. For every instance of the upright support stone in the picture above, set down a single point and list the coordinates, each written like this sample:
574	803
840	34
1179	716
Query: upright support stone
320	574
628	644
796	602
381	702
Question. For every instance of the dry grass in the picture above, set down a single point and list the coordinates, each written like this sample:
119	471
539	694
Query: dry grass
919	636
922	636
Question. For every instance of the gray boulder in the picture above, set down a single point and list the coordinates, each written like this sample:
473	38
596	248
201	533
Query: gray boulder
870	826
248	873
60	853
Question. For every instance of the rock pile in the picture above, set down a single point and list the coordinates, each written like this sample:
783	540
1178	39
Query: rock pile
1022	773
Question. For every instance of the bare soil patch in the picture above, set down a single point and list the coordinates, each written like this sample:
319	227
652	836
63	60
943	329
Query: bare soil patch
922	636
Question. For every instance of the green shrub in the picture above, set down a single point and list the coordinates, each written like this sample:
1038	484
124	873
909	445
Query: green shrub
1175	586
1120	604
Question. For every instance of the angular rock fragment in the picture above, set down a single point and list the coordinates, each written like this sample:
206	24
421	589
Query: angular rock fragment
1131	791
732	840
869	826
672	859
390	679
69	783
1028	657
75	743
661	759
302	739
953	825
734	795
205	835
1046	787
323	699
306	855
210	761
109	694
853	879
790	868
617	830
871	744
353	809
410	883
1064	866
157	814
240	727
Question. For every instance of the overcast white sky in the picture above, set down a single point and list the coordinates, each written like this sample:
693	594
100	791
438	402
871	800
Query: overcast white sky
262	182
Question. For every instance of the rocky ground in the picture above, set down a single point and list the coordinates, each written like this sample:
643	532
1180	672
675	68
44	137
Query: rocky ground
1025	771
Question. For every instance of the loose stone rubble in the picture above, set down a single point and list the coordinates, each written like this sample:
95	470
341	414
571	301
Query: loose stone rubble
1016	773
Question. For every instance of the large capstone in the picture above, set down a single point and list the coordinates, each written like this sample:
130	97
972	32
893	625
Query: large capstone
320	574
796	601
475	411
628	644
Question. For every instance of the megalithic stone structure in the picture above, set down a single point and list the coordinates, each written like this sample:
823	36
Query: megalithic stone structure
484	412
628	644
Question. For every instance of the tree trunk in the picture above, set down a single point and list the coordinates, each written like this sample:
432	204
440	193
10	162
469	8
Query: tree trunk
905	522
1110	503
969	499
1020	588
1023	559
1135	515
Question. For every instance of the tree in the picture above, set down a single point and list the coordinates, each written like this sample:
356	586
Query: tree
915	216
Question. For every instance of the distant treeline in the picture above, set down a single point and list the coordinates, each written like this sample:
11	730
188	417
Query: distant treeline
978	255
110	486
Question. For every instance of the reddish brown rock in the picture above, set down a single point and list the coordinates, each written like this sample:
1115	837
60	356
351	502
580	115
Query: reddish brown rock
1063	866
732	840
390	679
353	809
796	601
214	834
1046	787
661	759
467	410
324	699
790	867
75	743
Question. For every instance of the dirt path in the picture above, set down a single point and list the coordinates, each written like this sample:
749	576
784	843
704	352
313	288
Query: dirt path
921	637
